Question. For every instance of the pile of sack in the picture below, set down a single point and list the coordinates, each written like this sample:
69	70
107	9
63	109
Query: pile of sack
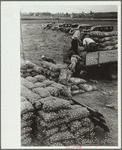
79	86
27	120
56	118
75	85
61	124
32	90
50	70
105	40
48	113
28	68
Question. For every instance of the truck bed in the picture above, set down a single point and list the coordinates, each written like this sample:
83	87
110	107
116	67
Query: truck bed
101	57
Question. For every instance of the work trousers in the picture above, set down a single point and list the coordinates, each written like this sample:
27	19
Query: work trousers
91	47
74	46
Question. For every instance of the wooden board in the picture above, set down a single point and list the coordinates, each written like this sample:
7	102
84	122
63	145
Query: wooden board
108	56
92	58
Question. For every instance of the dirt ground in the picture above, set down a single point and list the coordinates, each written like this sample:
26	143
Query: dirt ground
37	42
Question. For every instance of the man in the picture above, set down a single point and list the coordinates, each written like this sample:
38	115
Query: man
75	65
76	39
89	44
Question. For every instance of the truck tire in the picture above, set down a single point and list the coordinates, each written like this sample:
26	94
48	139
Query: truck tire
112	72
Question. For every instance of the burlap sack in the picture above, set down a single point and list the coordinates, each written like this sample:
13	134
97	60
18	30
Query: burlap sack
23	99
27	84
70	142
112	38
60	136
42	92
31	79
85	87
28	116
76	81
26	107
47	82
26	123
74	87
40	78
26	142
48	117
84	130
26	130
75	92
56	105
28	94
75	125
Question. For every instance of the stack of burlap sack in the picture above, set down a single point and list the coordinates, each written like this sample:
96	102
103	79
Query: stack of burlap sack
28	68
61	124
74	85
105	40
79	86
32	90
50	70
27	120
50	118
57	123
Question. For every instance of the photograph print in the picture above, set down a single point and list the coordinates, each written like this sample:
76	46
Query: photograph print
69	74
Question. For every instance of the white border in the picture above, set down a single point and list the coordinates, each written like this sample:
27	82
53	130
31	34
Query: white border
10	79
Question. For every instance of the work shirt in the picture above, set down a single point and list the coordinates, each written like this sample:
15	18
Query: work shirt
77	36
88	41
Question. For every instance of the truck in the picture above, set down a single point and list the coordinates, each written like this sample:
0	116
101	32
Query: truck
85	26
106	60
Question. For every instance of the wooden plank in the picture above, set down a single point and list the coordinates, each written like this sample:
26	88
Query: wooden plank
108	56
92	58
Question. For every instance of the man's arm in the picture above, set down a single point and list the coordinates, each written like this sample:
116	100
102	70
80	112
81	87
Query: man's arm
85	44
79	41
85	47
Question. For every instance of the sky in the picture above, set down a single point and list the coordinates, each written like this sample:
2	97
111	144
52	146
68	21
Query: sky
69	6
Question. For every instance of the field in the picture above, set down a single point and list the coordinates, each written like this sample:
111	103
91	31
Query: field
53	44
